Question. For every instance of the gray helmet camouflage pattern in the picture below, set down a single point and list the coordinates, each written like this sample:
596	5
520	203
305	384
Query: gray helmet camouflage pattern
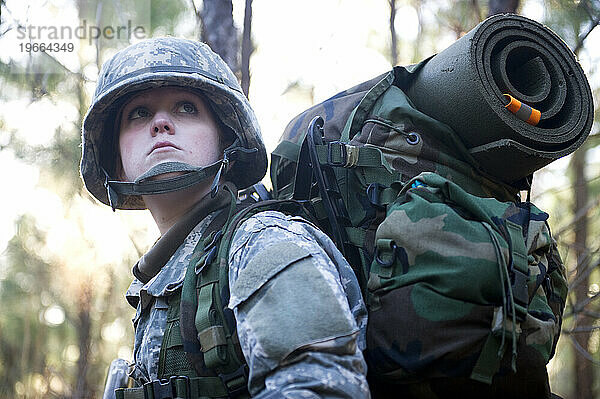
157	62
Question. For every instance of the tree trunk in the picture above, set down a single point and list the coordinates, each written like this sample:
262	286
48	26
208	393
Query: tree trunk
476	10
219	32
502	6
247	47
418	4
583	368
394	42
82	389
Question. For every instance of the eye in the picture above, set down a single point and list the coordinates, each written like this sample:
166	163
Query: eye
186	108
138	112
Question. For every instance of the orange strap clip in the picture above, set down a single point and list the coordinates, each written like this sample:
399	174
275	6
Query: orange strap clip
523	111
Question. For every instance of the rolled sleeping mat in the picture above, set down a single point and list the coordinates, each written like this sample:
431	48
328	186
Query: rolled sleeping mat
471	86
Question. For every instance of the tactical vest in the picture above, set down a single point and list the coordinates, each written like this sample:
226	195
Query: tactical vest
200	354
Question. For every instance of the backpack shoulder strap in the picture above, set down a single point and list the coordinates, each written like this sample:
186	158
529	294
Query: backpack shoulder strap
207	326
288	207
189	296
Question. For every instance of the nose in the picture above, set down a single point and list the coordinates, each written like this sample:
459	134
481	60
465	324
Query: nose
161	124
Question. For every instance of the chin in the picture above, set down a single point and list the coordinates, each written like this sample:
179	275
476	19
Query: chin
167	175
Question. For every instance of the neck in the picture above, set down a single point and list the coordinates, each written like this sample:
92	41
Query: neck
168	208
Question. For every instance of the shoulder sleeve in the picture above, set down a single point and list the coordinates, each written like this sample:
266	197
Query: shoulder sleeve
296	326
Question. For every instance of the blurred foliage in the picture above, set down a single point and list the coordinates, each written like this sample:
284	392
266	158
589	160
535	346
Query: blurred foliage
64	316
165	15
24	341
39	353
461	16
570	19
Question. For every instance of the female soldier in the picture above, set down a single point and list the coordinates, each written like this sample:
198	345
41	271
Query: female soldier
277	315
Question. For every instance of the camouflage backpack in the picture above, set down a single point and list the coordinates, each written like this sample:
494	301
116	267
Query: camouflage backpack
463	281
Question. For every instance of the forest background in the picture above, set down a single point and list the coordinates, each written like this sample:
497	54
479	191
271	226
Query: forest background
65	260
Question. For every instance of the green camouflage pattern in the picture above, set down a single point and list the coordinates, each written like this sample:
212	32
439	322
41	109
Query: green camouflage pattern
385	127
432	311
446	283
438	149
157	62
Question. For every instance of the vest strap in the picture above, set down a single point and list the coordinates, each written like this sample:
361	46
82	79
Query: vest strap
182	387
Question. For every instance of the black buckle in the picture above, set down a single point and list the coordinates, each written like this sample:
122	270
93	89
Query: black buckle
342	151
166	389
373	192
227	378
389	263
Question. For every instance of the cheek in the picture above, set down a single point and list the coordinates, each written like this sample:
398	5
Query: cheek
127	147
207	147
124	148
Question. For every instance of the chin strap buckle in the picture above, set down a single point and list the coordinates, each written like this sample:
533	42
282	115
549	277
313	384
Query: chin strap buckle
113	197
214	187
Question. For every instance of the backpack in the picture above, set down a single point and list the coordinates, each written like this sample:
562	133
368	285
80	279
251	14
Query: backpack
463	282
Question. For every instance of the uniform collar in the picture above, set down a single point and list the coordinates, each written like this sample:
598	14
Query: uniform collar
159	267
150	263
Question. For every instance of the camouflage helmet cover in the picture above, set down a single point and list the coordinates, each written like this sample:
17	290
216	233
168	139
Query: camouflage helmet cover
157	62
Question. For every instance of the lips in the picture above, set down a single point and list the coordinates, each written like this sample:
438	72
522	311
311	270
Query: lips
163	144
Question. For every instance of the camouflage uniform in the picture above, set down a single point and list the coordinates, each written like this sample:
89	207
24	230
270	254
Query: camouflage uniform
151	306
300	316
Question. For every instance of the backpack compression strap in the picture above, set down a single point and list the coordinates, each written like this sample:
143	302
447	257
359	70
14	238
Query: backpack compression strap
514	310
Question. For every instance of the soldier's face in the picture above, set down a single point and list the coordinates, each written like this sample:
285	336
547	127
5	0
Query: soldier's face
166	124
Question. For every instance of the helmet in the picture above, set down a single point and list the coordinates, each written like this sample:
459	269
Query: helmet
158	62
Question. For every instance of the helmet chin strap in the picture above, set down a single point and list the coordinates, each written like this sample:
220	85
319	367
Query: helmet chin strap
192	175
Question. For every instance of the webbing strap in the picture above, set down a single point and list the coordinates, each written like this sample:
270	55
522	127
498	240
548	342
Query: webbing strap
520	269
349	156
206	309
189	301
356	236
199	387
202	288
215	335
489	360
144	186
362	109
